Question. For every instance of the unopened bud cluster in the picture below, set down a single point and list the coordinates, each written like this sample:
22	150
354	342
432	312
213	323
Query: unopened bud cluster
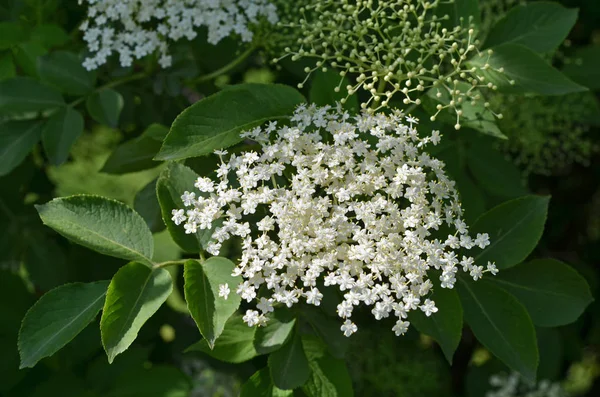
353	203
392	49
137	28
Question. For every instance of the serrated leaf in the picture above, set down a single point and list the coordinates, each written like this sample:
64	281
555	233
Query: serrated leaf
288	366
529	71
501	324
17	139
514	227
23	94
57	317
235	345
60	133
276	333
208	309
63	70
445	326
172	183
261	385
104	225
138	153
540	26
135	293
216	121
329	377
553	292
105	107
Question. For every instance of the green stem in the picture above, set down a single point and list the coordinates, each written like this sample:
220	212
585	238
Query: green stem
115	83
169	263
222	70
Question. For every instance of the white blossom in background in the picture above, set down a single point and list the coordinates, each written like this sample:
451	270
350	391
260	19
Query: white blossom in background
513	386
350	202
134	29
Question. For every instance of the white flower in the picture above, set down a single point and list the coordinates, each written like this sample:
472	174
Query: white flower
224	290
178	216
134	29
359	211
491	267
251	318
348	328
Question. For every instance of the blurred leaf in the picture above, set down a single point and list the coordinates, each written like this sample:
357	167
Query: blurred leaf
553	292
104	225
7	66
60	133
26	56
135	293
44	260
261	385
17	139
445	326
23	94
501	324
583	67
63	70
49	35
138	153
530	72
514	227
235	345
57	317
288	366
323	86
276	333
541	26
208	309
550	346
11	34
157	381
215	122
105	107
146	204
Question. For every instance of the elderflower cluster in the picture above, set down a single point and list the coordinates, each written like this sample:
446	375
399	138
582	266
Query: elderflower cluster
548	134
512	386
137	28
392	49
350	202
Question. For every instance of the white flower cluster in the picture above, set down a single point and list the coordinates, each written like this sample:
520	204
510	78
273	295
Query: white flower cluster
137	28
512	386
351	202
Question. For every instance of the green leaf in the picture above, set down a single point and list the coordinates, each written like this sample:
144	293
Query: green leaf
172	183
26	56
553	292
530	73
494	173
460	9
11	34
277	331
17	138
23	94
540	26
156	381
208	309
261	385
104	225
288	366
583	68
60	133
323	86
49	35
135	293
146	204
138	153
63	70
57	317
105	107
7	67
514	227
235	345
501	324
327	328
329	377
445	326
216	122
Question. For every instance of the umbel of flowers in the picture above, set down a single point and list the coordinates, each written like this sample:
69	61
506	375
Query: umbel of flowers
349	202
392	49
137	28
